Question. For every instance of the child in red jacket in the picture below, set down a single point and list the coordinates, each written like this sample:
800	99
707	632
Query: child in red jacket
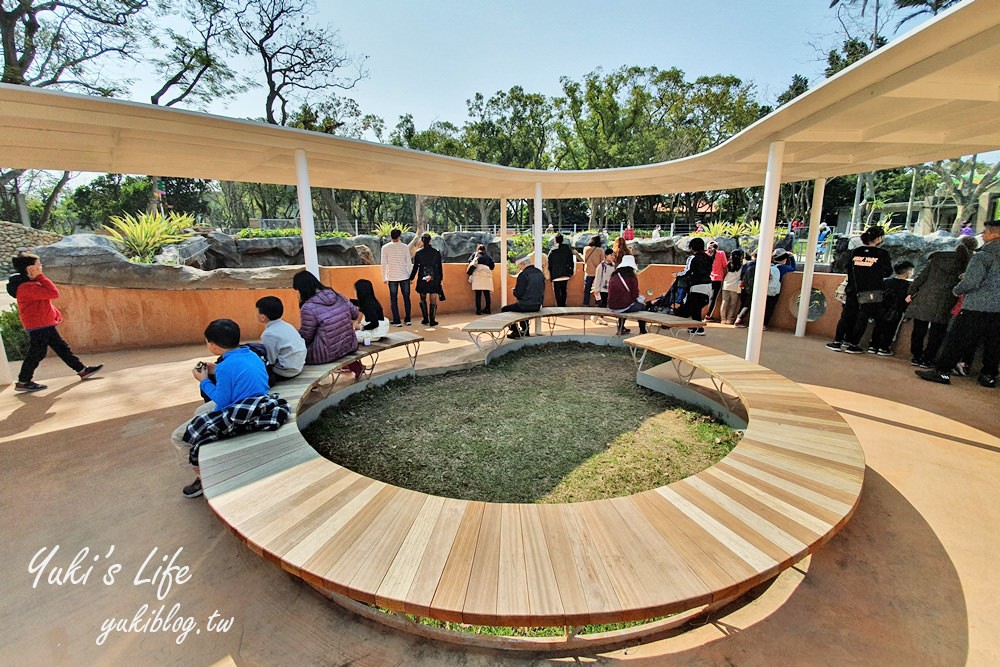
34	293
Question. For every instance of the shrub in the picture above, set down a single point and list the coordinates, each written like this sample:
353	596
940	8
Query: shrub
15	338
382	230
142	235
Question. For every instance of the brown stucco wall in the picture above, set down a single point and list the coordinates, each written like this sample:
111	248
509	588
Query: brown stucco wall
102	318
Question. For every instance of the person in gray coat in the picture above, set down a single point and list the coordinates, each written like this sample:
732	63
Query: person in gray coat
979	321
930	300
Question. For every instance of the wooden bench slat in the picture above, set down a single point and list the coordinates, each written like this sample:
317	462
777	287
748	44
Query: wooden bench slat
365	562
453	585
480	605
544	600
435	557
298	543
401	571
512	586
323	559
560	531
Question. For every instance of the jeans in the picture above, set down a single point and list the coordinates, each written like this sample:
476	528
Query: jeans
636	307
588	284
970	329
39	342
404	287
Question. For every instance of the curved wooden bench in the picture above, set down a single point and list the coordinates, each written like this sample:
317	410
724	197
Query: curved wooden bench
489	332
789	485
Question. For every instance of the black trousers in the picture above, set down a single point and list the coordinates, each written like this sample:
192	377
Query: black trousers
854	319
588	285
885	332
970	329
559	289
934	333
39	342
518	307
716	290
480	293
769	305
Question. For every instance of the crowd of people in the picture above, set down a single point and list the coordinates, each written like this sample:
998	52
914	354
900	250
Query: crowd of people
954	303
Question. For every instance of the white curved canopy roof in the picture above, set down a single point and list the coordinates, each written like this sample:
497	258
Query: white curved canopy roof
932	94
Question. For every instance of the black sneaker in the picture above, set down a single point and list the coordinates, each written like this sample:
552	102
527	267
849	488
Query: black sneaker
29	386
408	323
916	362
193	490
700	331
89	371
396	324
933	375
883	353
989	381
926	364
961	368
852	349
836	346
514	334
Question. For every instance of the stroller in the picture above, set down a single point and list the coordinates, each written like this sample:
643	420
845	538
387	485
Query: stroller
672	301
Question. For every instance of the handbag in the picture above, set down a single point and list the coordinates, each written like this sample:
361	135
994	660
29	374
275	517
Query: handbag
472	268
870	296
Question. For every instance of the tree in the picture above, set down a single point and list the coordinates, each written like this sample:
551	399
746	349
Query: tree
958	181
64	45
294	57
193	64
931	7
798	86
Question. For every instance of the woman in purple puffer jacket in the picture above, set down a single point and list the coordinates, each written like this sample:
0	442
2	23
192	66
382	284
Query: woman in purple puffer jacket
327	322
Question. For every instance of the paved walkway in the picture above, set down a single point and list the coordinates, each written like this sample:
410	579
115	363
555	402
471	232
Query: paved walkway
910	580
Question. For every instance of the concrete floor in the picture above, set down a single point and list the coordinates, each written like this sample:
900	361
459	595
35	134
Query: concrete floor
87	465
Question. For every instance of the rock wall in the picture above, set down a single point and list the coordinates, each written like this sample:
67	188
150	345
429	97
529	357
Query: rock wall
903	246
14	237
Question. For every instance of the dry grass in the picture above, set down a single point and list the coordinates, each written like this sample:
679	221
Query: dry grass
560	423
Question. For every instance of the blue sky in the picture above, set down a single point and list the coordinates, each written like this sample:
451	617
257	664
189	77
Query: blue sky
427	58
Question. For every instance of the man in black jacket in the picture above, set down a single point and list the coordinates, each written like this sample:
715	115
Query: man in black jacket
529	291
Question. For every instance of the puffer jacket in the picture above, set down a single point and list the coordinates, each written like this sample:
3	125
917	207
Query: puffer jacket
980	285
34	301
328	327
931	298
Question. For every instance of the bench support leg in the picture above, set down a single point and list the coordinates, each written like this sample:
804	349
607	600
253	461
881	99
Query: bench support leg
493	340
412	350
638	358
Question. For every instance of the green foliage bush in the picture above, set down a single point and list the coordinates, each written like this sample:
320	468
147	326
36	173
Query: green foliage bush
383	230
15	338
142	235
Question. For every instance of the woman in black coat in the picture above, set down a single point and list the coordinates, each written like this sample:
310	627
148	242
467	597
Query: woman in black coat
428	271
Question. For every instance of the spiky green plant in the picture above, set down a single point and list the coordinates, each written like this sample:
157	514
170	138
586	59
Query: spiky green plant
751	228
716	229
383	230
142	235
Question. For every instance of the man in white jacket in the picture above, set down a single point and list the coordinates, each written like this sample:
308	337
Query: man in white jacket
396	267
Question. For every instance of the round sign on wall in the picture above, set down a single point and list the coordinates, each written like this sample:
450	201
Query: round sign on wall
817	305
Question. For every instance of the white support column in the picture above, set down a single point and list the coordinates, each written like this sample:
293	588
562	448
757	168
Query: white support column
504	271
805	295
538	225
538	242
762	271
306	222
